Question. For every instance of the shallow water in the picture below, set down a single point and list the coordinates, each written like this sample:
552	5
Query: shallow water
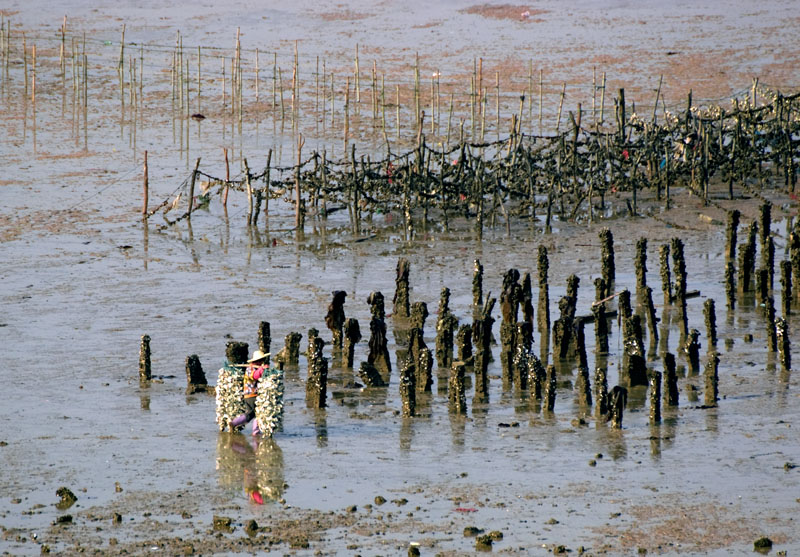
83	278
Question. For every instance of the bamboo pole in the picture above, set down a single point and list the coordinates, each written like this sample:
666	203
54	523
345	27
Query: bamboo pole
191	188
199	54
397	107
33	76
346	112
358	82
297	216
658	92
561	105
25	63
145	185
603	99
541	99
497	103
249	186
227	178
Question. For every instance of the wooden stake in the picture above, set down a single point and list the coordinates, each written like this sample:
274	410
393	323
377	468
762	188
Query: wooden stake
346	111
33	76
541	99
658	92
358	82
560	106
249	193
191	188
146	186
297	217
603	99
227	178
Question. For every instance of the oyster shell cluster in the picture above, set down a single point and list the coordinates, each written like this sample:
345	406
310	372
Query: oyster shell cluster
230	392
269	402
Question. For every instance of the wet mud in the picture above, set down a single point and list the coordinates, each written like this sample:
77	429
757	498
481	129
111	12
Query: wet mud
494	443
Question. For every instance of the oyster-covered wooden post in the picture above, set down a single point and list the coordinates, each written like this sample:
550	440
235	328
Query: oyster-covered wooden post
195	377
352	334
617	400
652	319
762	286
144	359
445	330
608	268
782	331
730	234
482	331
764	222
583	387
313	334
370	376
408	395
420	355
378	345
655	397
509	307
455	389
666	276
537	376
794	258
747	261
633	371
712	380
264	339
601	393
769	314
710	316
335	318
464	344
418	315
730	285
477	288
640	266
317	382
550	388
544	291
526	305
768	261
679	263
692	348
599	313
290	353
786	287
401	298
522	351
671	381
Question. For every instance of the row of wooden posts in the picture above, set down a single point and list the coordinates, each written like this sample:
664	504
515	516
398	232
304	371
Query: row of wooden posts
527	177
469	346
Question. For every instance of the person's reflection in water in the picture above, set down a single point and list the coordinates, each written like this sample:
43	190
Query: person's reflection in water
256	464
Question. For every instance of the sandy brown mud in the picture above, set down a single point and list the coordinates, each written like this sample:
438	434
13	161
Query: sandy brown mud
83	278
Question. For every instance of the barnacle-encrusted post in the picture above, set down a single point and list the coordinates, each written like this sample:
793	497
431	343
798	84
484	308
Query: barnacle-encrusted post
144	359
317	383
401	298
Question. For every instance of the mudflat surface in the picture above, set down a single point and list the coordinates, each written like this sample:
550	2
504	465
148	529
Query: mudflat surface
82	278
